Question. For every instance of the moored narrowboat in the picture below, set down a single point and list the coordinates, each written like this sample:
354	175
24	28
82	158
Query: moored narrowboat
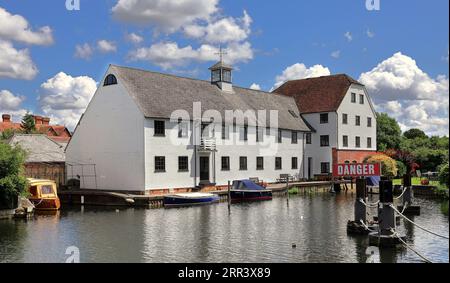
190	199
44	195
246	190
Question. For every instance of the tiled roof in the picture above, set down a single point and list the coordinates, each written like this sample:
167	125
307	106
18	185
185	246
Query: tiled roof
55	132
39	148
315	95
159	95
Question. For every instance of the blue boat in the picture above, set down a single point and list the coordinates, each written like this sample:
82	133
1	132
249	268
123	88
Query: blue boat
246	190
190	199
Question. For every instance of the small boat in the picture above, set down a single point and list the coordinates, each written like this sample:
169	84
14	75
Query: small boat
246	190
190	199
44	195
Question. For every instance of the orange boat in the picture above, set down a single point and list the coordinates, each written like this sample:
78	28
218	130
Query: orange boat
44	195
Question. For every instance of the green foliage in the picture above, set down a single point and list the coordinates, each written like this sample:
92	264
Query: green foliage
429	153
28	125
415	133
7	134
444	175
388	132
12	181
402	169
389	165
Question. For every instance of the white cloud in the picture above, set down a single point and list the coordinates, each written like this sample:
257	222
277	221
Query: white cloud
16	64
84	51
134	38
400	88
336	54
17	28
169	55
300	71
348	36
222	31
106	46
370	34
9	101
64	98
165	15
255	86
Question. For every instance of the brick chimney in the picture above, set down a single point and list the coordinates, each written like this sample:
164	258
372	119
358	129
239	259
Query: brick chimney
38	120
6	118
46	121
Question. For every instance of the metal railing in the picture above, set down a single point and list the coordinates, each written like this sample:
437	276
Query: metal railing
208	144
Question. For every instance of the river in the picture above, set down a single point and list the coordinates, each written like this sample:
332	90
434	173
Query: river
251	233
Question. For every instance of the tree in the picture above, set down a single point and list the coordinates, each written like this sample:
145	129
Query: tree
28	125
12	180
389	133
388	165
415	133
444	175
7	134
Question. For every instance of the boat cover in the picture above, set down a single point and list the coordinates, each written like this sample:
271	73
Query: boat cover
247	185
373	181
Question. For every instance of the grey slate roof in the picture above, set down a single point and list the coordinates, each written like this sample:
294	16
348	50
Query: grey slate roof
159	95
39	148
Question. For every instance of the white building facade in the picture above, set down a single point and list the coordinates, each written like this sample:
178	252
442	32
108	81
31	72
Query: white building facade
144	132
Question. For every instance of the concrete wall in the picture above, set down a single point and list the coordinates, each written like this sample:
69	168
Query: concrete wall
111	136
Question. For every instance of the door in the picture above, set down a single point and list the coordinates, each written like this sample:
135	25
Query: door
310	164
204	169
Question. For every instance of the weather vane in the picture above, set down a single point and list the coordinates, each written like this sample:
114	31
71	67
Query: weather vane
221	53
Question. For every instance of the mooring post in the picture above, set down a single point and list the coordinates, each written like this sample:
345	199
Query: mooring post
229	196
386	214
361	196
287	190
407	195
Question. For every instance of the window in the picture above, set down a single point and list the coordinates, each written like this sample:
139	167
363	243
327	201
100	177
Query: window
324	118
361	99
225	163
294	137
243	163
243	133
369	122
325	167
225	132
259	134
308	138
278	163
110	80
160	128
294	163
345	119
215	76
183	164
358	121
47	190
259	163
182	129
324	141
345	141
353	97
227	76
280	136
358	142
160	164
369	142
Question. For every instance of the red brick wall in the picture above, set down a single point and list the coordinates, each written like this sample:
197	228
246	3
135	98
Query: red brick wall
342	156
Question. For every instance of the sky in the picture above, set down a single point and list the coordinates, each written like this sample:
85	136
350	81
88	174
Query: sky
53	56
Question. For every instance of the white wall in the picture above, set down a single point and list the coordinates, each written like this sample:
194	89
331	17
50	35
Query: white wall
170	147
314	150
351	130
111	136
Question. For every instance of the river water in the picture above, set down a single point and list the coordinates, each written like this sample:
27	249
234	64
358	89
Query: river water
251	233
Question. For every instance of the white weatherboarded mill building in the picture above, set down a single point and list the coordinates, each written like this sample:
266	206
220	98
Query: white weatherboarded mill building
147	131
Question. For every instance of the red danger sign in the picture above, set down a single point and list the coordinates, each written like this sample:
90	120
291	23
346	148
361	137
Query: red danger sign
356	170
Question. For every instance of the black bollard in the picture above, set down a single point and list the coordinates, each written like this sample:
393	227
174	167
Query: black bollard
361	195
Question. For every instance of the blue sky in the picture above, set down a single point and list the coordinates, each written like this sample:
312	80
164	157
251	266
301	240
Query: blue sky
399	52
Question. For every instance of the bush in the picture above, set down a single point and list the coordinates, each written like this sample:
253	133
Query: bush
388	165
12	181
444	175
402	170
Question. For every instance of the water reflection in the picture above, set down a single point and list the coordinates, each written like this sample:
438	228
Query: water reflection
257	232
